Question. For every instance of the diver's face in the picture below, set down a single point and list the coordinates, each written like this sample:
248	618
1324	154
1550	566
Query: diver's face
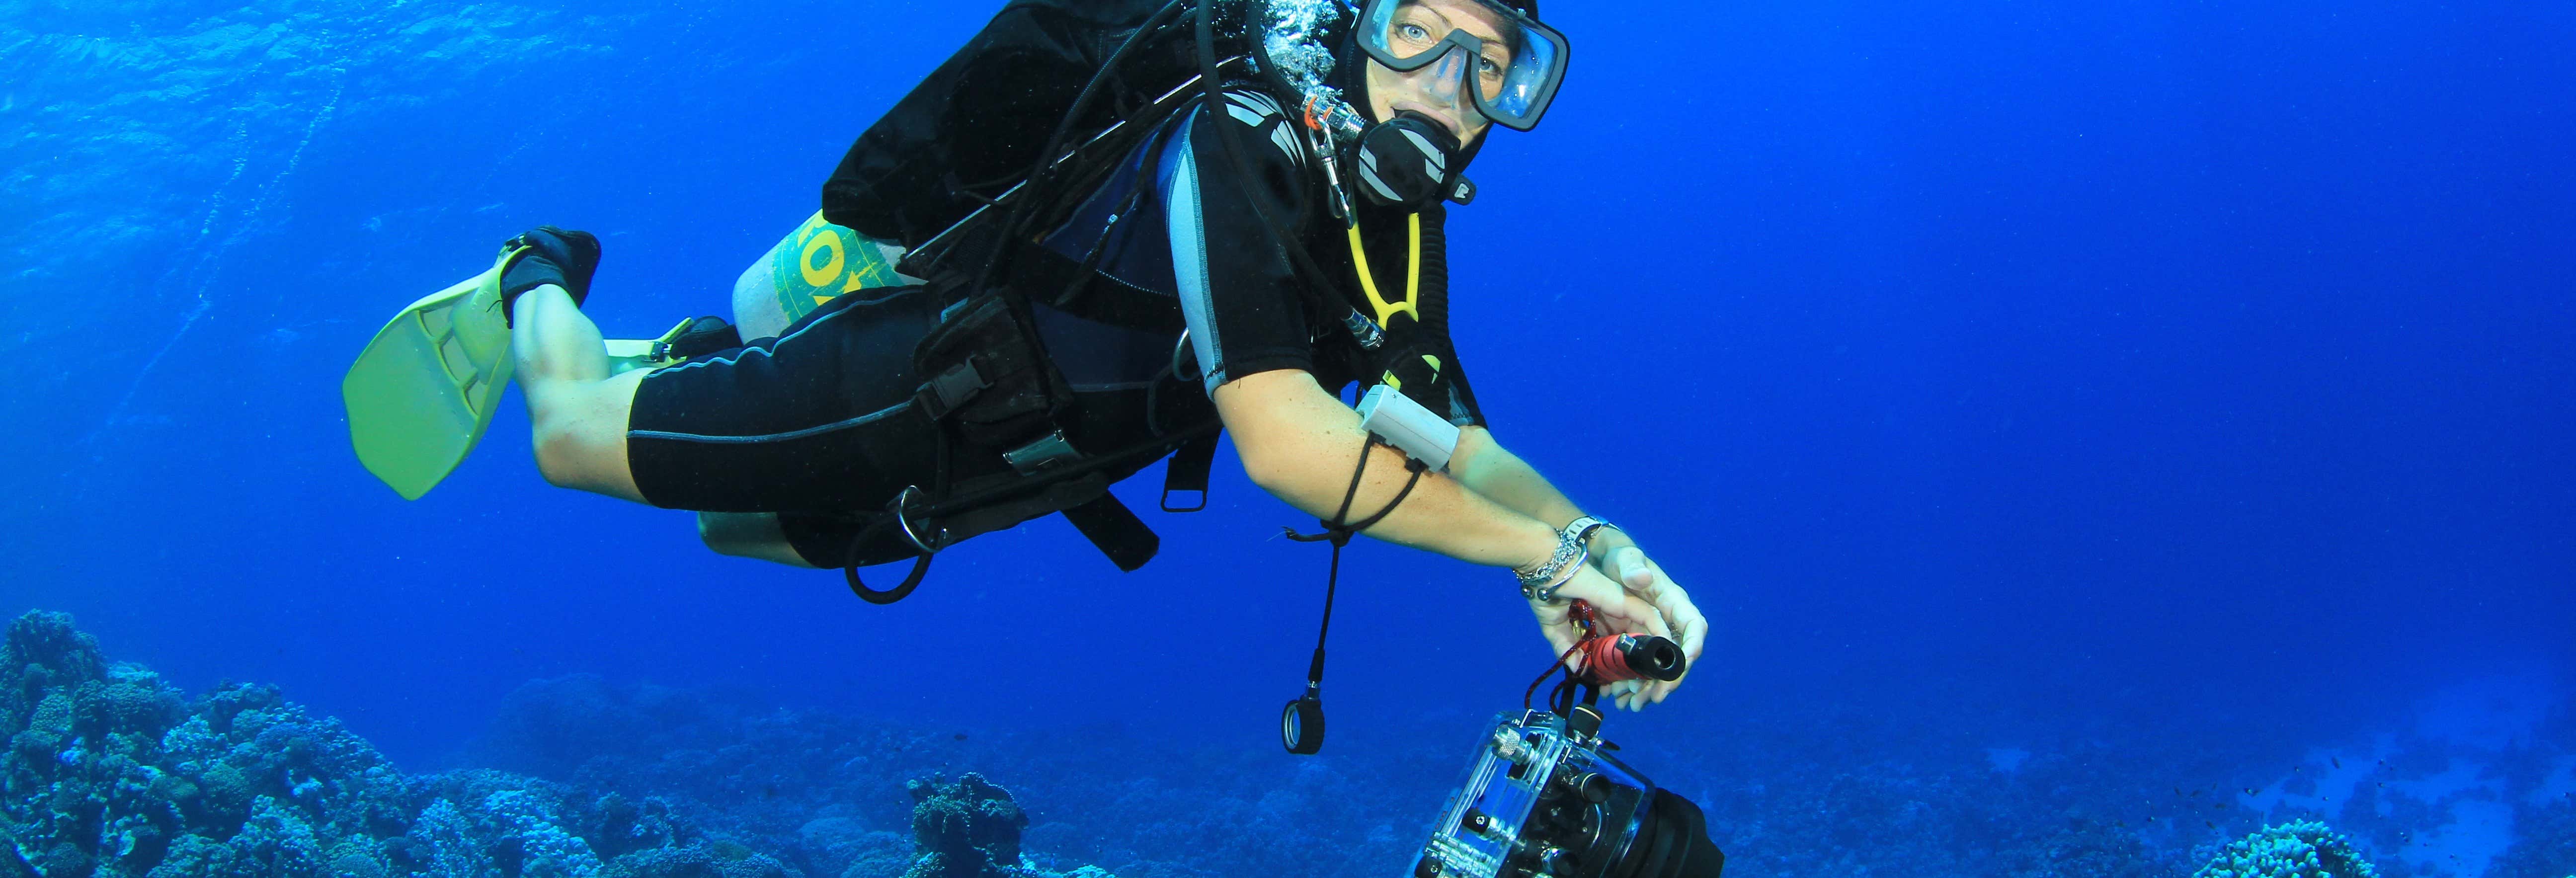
1434	90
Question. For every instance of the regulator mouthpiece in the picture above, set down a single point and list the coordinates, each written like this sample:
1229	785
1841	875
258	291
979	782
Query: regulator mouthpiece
1407	162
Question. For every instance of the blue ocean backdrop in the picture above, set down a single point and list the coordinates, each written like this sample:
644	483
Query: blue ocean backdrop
2096	432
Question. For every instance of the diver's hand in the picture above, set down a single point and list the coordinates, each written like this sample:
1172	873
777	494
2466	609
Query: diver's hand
1641	577
1615	608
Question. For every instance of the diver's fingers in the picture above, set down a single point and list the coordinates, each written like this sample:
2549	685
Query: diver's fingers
1551	615
1561	641
1692	629
1589	585
1673	603
1640	611
1620	692
1635	572
1656	624
1557	625
1608	598
1620	611
1648	580
1688	631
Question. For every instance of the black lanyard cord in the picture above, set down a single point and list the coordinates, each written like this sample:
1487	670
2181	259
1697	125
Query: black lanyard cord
1339	534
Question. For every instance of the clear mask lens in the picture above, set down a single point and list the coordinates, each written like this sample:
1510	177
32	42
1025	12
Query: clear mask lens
1507	65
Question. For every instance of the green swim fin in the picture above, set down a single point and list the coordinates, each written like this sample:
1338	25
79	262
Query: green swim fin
424	390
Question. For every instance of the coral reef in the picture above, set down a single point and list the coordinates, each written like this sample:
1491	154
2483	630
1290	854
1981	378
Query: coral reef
112	773
2299	849
2086	848
811	785
2549	843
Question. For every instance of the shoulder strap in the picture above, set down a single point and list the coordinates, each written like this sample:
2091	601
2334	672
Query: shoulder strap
1116	531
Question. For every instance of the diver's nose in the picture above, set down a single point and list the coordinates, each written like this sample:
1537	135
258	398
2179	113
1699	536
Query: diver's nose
1446	76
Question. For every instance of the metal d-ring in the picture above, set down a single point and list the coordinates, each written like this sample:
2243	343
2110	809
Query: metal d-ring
903	501
1179	348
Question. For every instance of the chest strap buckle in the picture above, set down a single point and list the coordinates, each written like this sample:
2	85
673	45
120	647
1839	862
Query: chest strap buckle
944	392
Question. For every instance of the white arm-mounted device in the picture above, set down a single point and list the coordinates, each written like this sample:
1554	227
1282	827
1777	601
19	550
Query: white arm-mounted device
1409	427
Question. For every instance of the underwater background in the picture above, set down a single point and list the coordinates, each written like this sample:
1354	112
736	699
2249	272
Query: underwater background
2096	431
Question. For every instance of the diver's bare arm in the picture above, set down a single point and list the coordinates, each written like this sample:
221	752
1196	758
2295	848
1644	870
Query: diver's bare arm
1487	468
1301	444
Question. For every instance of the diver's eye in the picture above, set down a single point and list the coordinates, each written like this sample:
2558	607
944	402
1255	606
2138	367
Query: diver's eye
1413	34
1488	68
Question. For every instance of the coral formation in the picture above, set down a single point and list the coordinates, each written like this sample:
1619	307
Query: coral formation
967	829
2298	849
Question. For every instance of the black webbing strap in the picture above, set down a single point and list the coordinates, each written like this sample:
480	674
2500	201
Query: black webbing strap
1116	531
1187	472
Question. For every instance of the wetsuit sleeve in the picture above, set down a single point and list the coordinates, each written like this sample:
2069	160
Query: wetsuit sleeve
1239	292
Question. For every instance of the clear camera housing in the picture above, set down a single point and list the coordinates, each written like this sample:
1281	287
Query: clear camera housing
1542	798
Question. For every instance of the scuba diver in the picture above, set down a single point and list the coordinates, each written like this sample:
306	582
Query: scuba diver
1099	234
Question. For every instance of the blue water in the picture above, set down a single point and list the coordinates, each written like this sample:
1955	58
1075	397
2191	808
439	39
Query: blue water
2049	403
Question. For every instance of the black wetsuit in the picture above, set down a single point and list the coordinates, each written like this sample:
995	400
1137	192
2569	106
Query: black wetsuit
819	421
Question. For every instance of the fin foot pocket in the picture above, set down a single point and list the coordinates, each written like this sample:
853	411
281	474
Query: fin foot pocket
547	255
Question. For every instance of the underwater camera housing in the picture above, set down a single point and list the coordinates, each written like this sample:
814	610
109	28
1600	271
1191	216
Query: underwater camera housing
1542	798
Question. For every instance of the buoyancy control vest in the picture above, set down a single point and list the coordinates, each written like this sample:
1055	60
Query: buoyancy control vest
961	177
974	128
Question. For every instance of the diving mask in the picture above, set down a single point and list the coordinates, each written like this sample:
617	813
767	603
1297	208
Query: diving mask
1506	62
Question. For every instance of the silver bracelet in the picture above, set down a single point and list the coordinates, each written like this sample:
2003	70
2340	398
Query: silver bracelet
1573	550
